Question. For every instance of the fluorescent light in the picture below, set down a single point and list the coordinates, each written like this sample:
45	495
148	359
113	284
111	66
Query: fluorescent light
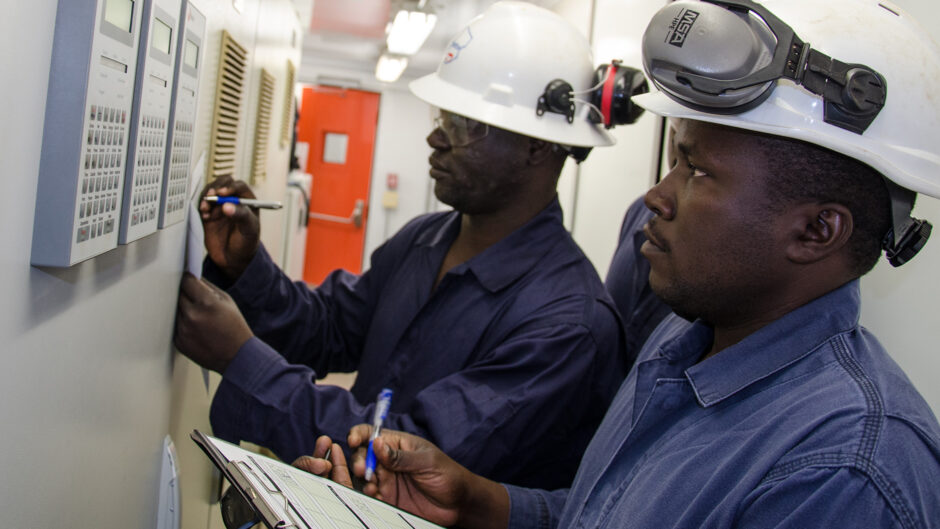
409	31
389	68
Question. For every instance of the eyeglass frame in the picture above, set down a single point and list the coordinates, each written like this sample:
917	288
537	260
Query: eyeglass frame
458	131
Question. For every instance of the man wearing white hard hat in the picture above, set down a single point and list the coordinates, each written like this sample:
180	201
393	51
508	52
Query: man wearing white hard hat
803	130
488	322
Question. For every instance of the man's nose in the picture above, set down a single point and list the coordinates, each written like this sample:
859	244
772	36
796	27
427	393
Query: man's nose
659	199
437	139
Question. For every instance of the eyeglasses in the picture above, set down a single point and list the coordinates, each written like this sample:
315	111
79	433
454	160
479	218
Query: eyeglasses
460	130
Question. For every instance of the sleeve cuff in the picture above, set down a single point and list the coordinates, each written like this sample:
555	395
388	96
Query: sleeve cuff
230	412
528	508
261	270
251	365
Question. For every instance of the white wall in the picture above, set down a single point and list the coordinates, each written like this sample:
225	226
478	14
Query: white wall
613	176
899	305
279	36
400	148
90	384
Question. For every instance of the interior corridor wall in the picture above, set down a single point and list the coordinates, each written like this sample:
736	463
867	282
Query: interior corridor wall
612	177
900	305
400	149
90	385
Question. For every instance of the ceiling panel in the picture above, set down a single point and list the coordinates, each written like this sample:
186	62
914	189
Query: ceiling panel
350	34
362	18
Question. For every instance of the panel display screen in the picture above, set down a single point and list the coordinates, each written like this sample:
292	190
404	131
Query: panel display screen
190	53
119	13
162	35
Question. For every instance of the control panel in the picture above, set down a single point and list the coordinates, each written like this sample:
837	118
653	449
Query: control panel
143	177
87	120
178	162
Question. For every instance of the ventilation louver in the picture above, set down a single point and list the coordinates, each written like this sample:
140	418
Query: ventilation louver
262	128
230	85
288	117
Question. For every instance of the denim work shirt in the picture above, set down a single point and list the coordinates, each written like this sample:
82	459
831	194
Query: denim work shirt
516	353
805	423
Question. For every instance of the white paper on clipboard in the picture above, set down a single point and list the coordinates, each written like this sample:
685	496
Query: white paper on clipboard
287	495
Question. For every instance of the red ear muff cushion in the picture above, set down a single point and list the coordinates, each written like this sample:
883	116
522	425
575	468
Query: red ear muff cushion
607	96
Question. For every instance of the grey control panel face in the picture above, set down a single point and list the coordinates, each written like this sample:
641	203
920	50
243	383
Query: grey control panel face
178	164
86	133
148	134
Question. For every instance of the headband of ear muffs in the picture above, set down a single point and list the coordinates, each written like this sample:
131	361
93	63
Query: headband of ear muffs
725	57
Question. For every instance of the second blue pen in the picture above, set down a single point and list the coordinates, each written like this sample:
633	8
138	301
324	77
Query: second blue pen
382	403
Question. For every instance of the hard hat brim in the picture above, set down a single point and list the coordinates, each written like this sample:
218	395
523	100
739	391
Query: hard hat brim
775	117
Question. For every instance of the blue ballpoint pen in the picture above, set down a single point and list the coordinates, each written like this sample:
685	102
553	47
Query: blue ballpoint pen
250	202
382	404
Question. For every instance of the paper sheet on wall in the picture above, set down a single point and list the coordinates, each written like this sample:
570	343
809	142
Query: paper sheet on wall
195	237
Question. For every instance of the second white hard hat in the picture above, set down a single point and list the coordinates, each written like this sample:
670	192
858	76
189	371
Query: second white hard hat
499	65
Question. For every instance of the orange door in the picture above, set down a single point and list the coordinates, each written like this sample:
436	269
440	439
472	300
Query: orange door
339	124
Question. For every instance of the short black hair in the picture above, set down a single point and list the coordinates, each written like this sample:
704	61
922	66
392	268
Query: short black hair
803	171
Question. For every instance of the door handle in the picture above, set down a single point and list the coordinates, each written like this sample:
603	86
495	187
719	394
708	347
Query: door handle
355	218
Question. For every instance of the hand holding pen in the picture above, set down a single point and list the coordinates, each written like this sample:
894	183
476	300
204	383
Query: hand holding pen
232	234
382	404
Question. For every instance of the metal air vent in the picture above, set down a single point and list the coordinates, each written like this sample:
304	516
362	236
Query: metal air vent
288	117
230	86
262	128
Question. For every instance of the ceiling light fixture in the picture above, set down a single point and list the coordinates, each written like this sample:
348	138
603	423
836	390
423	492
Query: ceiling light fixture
390	67
409	31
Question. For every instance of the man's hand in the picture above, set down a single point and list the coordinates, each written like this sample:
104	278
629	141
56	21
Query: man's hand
327	461
418	477
209	327
232	231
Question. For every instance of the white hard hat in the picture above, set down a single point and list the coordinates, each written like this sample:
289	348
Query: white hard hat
713	44
499	65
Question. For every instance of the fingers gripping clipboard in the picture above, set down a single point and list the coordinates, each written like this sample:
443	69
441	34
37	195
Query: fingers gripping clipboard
286	497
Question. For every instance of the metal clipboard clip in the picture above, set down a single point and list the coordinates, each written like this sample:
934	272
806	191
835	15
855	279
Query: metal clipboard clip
240	470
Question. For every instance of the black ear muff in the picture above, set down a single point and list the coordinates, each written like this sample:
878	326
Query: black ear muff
726	56
616	85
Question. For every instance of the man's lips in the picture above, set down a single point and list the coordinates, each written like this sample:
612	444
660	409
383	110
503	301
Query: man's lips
654	239
437	169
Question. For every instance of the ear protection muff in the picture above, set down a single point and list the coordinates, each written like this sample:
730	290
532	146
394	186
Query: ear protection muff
609	98
725	56
615	87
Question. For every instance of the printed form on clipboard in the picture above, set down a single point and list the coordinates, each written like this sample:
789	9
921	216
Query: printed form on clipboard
284	496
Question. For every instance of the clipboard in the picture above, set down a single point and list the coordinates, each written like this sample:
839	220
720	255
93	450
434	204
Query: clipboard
286	497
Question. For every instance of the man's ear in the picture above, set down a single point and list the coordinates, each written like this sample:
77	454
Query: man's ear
539	151
818	231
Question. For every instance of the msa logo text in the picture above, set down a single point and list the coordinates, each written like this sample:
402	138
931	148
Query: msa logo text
681	26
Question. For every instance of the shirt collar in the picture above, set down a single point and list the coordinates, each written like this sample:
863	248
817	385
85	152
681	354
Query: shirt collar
768	350
507	260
